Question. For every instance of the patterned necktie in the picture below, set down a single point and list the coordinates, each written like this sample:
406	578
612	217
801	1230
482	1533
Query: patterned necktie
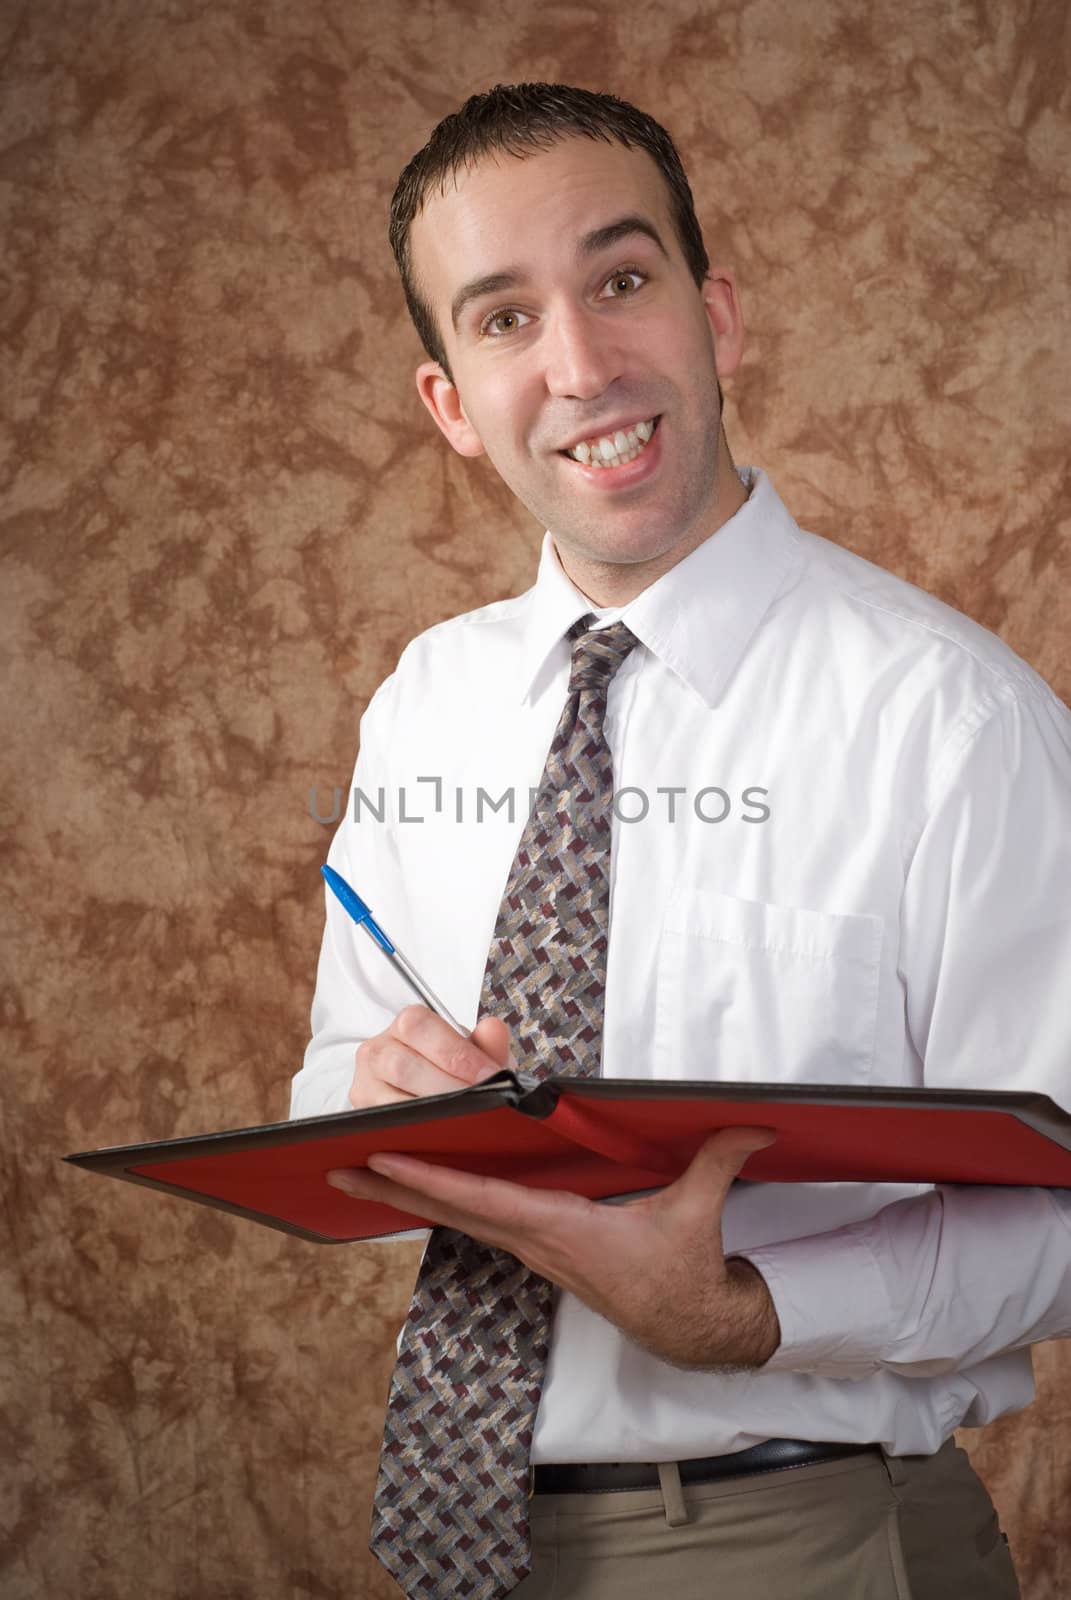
451	1507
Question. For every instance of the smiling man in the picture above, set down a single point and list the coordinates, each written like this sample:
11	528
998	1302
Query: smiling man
844	857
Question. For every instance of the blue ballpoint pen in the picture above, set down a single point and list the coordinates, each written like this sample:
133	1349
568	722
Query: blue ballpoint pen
362	916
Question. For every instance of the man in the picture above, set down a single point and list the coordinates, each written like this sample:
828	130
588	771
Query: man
845	857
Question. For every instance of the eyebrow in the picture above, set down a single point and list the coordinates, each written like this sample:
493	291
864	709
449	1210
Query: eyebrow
590	244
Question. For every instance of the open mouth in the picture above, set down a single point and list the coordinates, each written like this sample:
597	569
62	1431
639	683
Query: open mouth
616	449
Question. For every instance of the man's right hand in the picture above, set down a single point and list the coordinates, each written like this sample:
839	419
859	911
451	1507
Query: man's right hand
420	1054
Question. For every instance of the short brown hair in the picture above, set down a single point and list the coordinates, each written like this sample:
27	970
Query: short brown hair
519	119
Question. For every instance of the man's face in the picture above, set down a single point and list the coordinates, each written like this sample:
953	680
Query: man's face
590	339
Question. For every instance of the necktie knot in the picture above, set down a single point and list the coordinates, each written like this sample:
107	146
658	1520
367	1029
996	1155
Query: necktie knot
597	654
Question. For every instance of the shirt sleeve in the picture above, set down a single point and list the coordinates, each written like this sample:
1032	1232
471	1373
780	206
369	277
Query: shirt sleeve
949	1278
357	992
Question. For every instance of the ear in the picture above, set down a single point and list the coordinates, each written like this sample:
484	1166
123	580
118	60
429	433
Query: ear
443	401
726	319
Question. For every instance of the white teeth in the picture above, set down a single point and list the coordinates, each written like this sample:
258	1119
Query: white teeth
613	452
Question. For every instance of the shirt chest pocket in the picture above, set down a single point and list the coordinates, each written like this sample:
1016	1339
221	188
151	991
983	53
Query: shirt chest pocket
755	992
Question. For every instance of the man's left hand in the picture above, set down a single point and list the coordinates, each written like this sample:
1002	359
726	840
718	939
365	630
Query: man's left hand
654	1266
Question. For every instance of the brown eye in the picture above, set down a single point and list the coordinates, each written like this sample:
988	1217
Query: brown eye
623	280
489	323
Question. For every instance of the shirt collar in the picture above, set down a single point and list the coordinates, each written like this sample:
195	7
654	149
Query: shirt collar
699	616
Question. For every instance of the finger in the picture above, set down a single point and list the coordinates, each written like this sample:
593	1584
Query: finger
365	1185
469	1193
727	1151
734	1145
541	1240
390	1069
471	1199
429	1036
493	1038
360	1184
715	1165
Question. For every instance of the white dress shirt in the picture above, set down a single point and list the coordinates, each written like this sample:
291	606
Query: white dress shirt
841	854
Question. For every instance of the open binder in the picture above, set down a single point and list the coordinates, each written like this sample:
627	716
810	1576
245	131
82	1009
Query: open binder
604	1138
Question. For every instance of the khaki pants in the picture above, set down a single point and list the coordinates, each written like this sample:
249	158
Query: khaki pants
863	1528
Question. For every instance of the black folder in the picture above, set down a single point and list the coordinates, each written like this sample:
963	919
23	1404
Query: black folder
603	1138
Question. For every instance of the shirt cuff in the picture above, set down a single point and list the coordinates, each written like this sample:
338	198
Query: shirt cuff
831	1302
322	1087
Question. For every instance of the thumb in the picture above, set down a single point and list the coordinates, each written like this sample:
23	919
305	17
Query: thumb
716	1163
493	1037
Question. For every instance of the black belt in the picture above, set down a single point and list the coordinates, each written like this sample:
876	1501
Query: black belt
773	1455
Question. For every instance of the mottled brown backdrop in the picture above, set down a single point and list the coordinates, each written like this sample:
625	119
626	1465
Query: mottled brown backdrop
224	512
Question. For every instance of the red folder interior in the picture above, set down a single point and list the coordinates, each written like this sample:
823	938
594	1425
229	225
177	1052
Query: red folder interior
612	1146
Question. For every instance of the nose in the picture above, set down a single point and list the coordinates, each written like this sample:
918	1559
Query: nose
581	354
